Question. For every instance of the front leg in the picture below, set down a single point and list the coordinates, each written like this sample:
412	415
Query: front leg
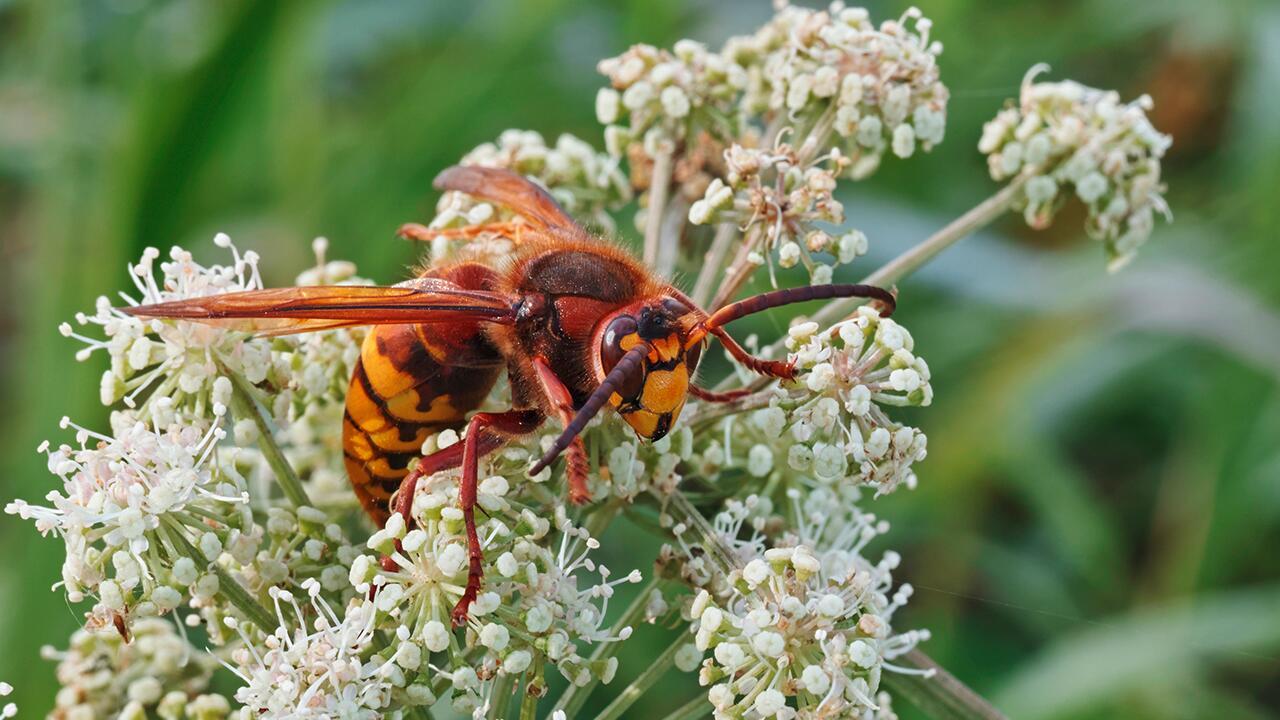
576	454
512	422
513	231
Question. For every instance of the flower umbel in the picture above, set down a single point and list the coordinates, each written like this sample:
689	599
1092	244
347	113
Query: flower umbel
1065	135
179	362
804	628
316	667
123	500
156	673
220	494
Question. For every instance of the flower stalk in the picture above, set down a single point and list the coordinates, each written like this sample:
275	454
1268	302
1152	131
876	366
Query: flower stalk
243	405
228	586
638	687
575	696
659	187
721	243
937	692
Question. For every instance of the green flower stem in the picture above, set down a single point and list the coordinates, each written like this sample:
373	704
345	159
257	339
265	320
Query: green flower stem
575	696
726	233
417	712
638	687
696	708
598	520
228	586
534	689
981	215
942	696
659	185
739	270
243	405
674	222
500	695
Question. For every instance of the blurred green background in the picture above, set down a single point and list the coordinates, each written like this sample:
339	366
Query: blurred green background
1096	529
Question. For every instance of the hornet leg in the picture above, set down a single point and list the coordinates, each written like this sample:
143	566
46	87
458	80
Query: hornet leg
512	422
422	233
558	394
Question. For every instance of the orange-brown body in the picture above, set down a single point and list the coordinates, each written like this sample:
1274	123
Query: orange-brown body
415	380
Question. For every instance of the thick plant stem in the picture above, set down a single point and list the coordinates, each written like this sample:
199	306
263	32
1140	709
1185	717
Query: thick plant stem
533	691
674	221
941	696
698	707
659	185
243	405
908	262
631	693
500	695
737	274
575	696
713	261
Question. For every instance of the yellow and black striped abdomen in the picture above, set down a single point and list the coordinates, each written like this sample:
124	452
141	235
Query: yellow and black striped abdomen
401	392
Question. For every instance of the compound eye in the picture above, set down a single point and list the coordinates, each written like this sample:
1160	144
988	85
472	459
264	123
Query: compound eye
611	351
675	307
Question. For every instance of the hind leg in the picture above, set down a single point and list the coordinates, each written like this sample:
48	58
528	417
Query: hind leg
512	422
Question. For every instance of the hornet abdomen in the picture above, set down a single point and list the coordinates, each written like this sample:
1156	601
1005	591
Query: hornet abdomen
412	381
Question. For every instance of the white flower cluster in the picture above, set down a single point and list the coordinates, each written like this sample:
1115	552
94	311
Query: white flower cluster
830	426
316	667
129	505
804	631
587	183
842	432
176	364
681	103
790	619
536	602
1064	137
878	88
776	197
288	549
156	674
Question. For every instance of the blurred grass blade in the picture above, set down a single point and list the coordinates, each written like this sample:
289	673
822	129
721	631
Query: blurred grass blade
1090	668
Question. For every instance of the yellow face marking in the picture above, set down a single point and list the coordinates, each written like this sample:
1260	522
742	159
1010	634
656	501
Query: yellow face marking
643	422
664	390
667	348
629	341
